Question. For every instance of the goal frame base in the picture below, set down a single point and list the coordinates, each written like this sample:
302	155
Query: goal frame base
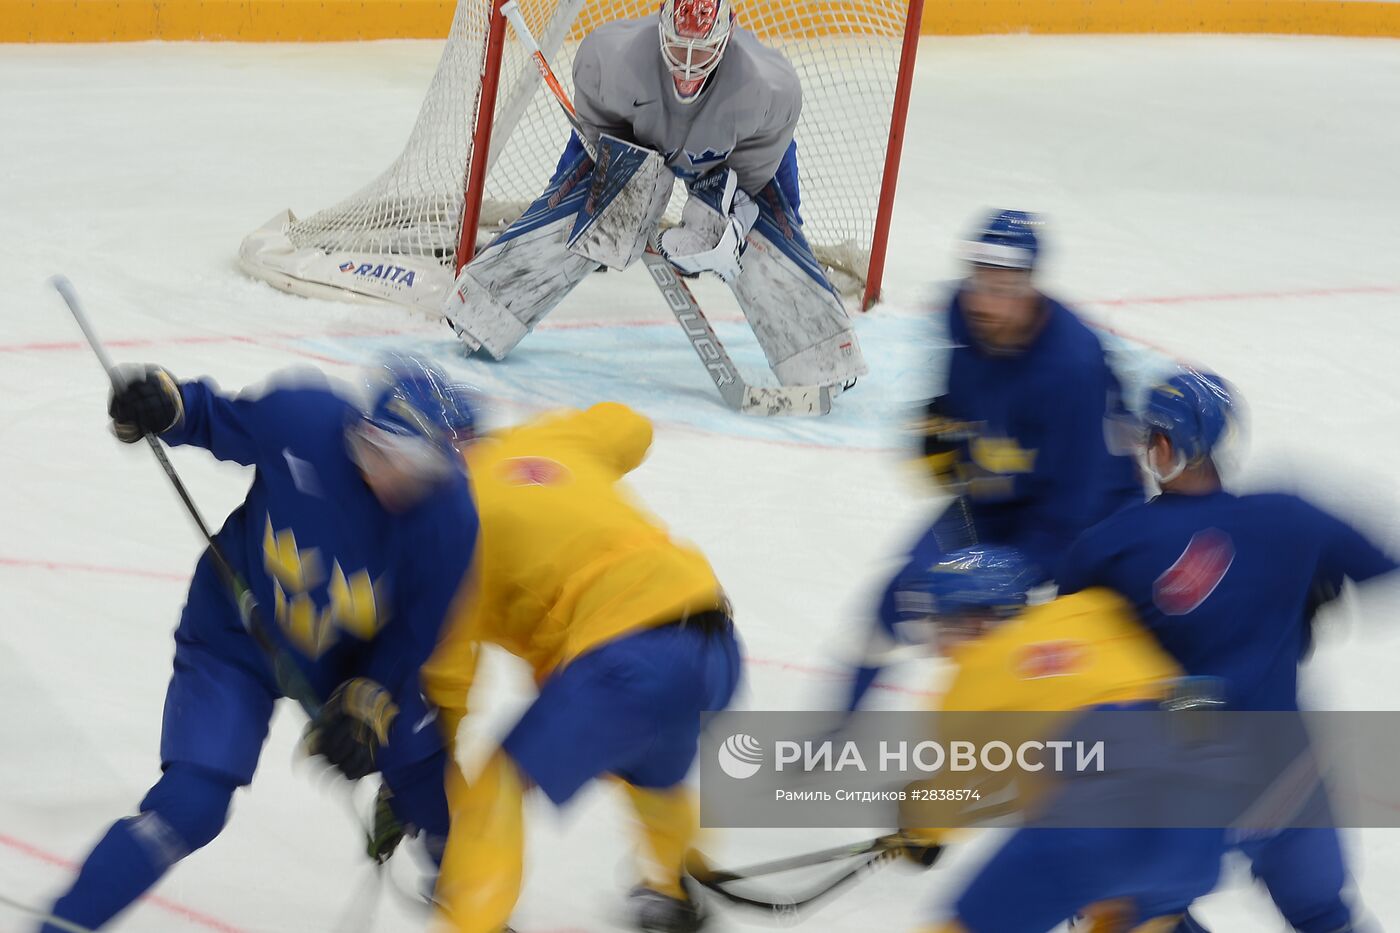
418	283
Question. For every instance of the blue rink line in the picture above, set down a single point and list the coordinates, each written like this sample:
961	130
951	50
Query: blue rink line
655	370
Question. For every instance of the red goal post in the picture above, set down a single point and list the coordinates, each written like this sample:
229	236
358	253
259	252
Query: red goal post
488	135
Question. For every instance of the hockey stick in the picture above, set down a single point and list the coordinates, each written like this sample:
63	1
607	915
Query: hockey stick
289	677
736	393
701	870
44	917
870	855
789	907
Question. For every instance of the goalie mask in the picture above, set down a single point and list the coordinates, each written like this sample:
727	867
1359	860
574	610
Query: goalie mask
694	34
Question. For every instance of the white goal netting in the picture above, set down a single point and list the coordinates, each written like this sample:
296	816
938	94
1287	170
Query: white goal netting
396	238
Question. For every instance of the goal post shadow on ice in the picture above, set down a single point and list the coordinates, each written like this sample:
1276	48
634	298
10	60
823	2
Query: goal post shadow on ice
652	368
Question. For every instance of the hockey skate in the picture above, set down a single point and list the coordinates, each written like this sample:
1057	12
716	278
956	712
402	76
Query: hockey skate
469	343
654	912
839	388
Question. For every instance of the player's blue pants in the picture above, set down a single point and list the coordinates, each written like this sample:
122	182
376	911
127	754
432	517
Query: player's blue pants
1041	876
1304	873
786	176
217	710
630	707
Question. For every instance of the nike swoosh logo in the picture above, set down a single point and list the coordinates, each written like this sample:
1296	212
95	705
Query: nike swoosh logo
640	103
423	723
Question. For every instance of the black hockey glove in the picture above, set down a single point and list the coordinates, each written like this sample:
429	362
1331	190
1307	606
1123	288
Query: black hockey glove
917	847
149	403
352	726
923	855
943	437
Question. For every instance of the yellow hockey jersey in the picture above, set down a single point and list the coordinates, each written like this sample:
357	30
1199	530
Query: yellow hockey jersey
566	559
1077	652
1049	664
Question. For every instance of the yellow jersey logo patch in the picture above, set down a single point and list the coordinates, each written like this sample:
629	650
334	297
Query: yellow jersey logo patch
534	471
1050	659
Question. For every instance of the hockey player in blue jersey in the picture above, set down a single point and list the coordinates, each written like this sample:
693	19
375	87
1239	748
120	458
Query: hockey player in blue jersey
1060	665
1019	435
1228	585
354	537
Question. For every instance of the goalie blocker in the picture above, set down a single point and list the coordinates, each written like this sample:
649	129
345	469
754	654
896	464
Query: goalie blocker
605	214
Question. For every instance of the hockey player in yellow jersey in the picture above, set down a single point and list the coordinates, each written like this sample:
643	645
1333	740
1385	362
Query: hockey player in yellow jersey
629	636
1062	660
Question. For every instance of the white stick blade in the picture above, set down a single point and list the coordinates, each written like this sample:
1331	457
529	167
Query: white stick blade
791	401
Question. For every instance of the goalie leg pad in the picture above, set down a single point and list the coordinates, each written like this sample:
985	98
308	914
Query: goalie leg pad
511	285
795	313
628	193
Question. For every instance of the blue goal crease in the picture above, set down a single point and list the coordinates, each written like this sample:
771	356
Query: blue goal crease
654	369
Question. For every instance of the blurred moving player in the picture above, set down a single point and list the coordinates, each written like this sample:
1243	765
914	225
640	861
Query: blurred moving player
1229	585
353	538
1074	655
1018	437
630	639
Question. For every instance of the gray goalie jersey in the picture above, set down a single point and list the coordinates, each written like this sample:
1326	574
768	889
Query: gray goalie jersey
744	120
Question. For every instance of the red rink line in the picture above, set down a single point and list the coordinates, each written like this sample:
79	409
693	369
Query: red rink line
66	566
1121	302
833	673
1245	296
188	914
279	342
198	918
830	673
52	346
207	921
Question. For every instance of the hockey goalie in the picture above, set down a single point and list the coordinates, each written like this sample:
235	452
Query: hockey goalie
711	106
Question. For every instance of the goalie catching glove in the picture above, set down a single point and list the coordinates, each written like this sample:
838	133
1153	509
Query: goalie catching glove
351	728
712	234
148	402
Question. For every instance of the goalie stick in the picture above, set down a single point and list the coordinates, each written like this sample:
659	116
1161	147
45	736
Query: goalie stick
736	393
289	677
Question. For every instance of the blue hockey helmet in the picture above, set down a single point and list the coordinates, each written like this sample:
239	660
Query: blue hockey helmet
415	419
989	579
413	398
1193	410
1006	240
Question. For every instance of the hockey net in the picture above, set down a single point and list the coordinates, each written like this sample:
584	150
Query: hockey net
400	237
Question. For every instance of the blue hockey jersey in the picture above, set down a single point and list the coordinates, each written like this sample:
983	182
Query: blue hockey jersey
350	588
1038	468
1227	583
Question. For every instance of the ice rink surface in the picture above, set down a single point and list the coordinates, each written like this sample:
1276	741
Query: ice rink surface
1232	201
